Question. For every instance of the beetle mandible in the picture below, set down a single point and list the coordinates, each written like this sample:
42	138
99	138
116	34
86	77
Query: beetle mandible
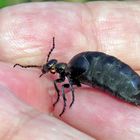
93	69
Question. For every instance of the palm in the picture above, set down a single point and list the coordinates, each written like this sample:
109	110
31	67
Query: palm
27	31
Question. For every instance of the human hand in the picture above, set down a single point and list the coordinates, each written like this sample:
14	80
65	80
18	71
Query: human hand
26	33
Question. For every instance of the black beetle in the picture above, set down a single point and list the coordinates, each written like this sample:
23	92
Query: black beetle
94	69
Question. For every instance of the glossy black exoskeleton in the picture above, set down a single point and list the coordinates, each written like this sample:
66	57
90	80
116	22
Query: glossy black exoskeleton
94	69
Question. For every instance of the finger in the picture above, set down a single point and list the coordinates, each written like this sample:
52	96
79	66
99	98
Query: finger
27	85
19	121
100	115
109	27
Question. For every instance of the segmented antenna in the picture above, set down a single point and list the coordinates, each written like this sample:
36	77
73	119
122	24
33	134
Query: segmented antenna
51	49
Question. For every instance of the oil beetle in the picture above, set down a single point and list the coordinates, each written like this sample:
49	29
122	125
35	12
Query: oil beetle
95	69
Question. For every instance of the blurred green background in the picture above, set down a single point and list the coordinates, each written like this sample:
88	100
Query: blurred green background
4	3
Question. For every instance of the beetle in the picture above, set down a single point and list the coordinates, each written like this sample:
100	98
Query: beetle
95	69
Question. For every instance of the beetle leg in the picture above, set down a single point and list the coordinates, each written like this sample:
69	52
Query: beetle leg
73	97
64	98
62	79
71	83
28	66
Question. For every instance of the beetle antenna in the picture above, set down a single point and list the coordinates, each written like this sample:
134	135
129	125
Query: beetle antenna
51	49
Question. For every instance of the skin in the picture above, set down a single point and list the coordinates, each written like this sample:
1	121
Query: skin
26	100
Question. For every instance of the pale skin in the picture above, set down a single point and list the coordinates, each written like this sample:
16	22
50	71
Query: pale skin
26	100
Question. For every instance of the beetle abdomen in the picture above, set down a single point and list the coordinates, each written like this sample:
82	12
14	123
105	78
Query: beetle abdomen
110	73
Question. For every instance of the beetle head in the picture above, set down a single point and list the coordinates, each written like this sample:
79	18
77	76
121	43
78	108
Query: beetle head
49	67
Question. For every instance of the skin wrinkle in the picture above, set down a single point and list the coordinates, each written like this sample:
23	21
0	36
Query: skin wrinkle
134	130
96	20
93	31
26	117
22	117
82	25
51	129
122	23
28	58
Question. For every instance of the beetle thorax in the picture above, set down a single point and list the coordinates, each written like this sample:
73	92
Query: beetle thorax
61	68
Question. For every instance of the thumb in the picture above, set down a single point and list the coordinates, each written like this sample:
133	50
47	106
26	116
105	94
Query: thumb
19	121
